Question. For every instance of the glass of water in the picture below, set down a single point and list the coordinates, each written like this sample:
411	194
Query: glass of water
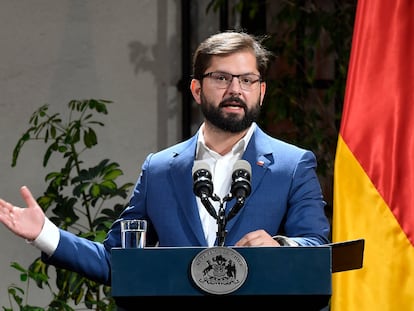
133	233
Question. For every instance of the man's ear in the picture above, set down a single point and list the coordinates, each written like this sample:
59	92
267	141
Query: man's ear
262	91
195	87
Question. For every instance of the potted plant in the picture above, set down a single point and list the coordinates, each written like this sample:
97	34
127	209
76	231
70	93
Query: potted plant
75	199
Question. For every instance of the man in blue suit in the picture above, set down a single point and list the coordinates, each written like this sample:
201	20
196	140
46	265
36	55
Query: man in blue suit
285	205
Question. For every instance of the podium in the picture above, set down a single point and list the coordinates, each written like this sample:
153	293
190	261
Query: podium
288	278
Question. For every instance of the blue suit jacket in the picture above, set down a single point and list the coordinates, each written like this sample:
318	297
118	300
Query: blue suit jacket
286	198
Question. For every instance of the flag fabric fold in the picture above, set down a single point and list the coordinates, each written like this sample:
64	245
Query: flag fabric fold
374	163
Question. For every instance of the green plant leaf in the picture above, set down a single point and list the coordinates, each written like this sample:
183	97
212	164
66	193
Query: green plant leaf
89	138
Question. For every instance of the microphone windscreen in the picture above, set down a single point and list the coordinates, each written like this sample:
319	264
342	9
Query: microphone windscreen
200	165
242	165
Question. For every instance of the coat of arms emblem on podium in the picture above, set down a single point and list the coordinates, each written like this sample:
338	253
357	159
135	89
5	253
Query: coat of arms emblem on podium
219	270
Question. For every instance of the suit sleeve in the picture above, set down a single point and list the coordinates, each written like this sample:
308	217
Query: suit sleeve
83	256
306	222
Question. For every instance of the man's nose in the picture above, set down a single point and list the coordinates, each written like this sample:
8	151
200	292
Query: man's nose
234	86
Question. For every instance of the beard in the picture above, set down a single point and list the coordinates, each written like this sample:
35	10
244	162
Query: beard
229	122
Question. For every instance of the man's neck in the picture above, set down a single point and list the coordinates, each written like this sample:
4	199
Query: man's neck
219	140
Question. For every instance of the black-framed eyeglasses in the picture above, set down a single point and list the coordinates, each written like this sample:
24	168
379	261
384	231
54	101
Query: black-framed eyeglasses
222	80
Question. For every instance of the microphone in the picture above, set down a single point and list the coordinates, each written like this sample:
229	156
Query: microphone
202	179
240	187
203	186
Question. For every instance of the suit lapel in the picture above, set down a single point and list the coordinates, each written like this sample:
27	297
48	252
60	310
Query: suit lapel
181	165
260	156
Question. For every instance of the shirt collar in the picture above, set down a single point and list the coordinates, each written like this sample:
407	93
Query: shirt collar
202	150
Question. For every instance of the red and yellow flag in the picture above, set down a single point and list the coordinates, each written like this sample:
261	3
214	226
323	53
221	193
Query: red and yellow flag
374	165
